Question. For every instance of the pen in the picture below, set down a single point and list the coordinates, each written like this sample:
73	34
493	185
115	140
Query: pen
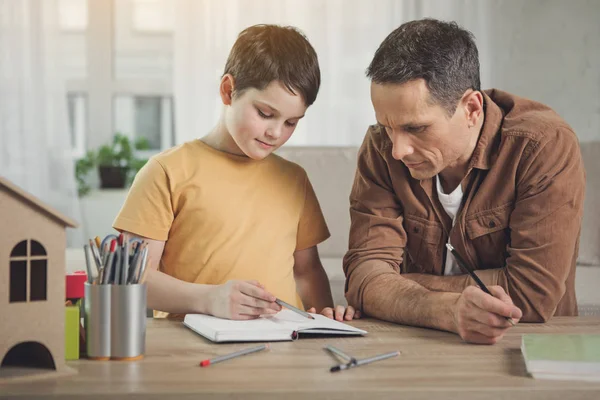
95	256
142	278
473	275
117	267
136	259
108	269
107	240
294	309
358	363
143	264
340	354
125	261
87	262
206	363
98	243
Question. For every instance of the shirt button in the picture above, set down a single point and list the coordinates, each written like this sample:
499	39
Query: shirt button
416	229
492	224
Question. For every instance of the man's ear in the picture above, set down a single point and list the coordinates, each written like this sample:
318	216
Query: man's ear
226	89
473	106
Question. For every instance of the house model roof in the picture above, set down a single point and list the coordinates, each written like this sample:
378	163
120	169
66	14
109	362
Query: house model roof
36	203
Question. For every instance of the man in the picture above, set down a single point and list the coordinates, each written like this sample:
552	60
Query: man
498	176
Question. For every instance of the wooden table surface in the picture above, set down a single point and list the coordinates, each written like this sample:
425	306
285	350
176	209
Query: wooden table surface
432	365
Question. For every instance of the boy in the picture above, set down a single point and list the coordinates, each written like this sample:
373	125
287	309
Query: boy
233	225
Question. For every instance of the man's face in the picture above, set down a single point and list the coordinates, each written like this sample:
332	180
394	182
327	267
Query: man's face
423	136
261	121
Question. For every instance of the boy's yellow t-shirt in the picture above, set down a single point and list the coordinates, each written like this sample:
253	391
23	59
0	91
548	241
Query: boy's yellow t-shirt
225	217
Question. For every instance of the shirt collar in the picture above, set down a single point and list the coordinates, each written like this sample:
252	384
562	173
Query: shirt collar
483	155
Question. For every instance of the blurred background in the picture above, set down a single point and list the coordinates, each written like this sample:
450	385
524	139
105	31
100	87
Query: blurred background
75	73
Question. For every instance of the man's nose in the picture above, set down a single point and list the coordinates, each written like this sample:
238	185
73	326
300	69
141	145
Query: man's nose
401	146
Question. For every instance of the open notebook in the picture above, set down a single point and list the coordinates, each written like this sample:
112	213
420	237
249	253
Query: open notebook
563	357
285	325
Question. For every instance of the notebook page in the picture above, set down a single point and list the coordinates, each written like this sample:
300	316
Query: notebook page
227	325
321	324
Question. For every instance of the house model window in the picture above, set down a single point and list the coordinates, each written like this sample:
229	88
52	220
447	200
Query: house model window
28	259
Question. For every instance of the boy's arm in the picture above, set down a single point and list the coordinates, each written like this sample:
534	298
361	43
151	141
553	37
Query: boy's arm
311	280
169	294
313	286
233	300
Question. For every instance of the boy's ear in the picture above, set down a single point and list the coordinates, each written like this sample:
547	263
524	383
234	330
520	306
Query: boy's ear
226	89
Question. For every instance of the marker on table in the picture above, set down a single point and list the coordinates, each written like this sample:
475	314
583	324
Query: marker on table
206	363
358	363
340	354
461	262
294	309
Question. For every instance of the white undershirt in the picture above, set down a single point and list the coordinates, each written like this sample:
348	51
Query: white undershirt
451	203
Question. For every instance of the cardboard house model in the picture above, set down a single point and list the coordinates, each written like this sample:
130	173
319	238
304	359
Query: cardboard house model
32	286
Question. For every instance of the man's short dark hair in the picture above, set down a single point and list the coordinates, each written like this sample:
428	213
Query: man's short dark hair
266	53
441	53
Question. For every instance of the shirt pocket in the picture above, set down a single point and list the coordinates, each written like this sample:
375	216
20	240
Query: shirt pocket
489	233
423	244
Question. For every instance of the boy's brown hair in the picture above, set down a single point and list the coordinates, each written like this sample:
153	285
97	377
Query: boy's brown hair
266	53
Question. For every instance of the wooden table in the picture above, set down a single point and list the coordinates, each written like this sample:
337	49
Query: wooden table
433	365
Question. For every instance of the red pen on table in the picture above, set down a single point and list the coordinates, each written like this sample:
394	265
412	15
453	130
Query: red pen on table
206	363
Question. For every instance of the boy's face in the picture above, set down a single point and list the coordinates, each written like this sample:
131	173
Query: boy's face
261	121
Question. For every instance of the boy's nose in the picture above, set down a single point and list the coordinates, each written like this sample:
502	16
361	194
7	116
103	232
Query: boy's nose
274	132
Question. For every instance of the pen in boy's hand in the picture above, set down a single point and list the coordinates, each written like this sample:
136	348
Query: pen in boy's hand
462	264
294	309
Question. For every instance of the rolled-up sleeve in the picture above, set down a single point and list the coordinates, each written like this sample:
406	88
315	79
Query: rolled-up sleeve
377	237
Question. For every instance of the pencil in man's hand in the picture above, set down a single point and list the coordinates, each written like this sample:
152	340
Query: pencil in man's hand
465	267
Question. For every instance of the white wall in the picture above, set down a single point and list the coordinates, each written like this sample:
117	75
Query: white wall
549	51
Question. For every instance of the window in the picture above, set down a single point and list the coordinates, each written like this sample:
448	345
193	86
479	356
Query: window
28	256
77	109
153	15
118	66
149	117
72	15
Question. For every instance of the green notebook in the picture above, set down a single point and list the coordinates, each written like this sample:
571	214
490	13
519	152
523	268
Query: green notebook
565	357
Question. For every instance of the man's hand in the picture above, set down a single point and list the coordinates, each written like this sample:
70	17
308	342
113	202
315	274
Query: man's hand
481	318
241	300
340	312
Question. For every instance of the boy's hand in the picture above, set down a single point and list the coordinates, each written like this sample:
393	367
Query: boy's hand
481	318
339	312
241	300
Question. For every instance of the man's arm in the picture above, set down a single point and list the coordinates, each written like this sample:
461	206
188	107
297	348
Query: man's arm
436	283
544	227
372	265
392	297
377	240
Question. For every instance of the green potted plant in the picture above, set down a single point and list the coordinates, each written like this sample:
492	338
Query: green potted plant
116	163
